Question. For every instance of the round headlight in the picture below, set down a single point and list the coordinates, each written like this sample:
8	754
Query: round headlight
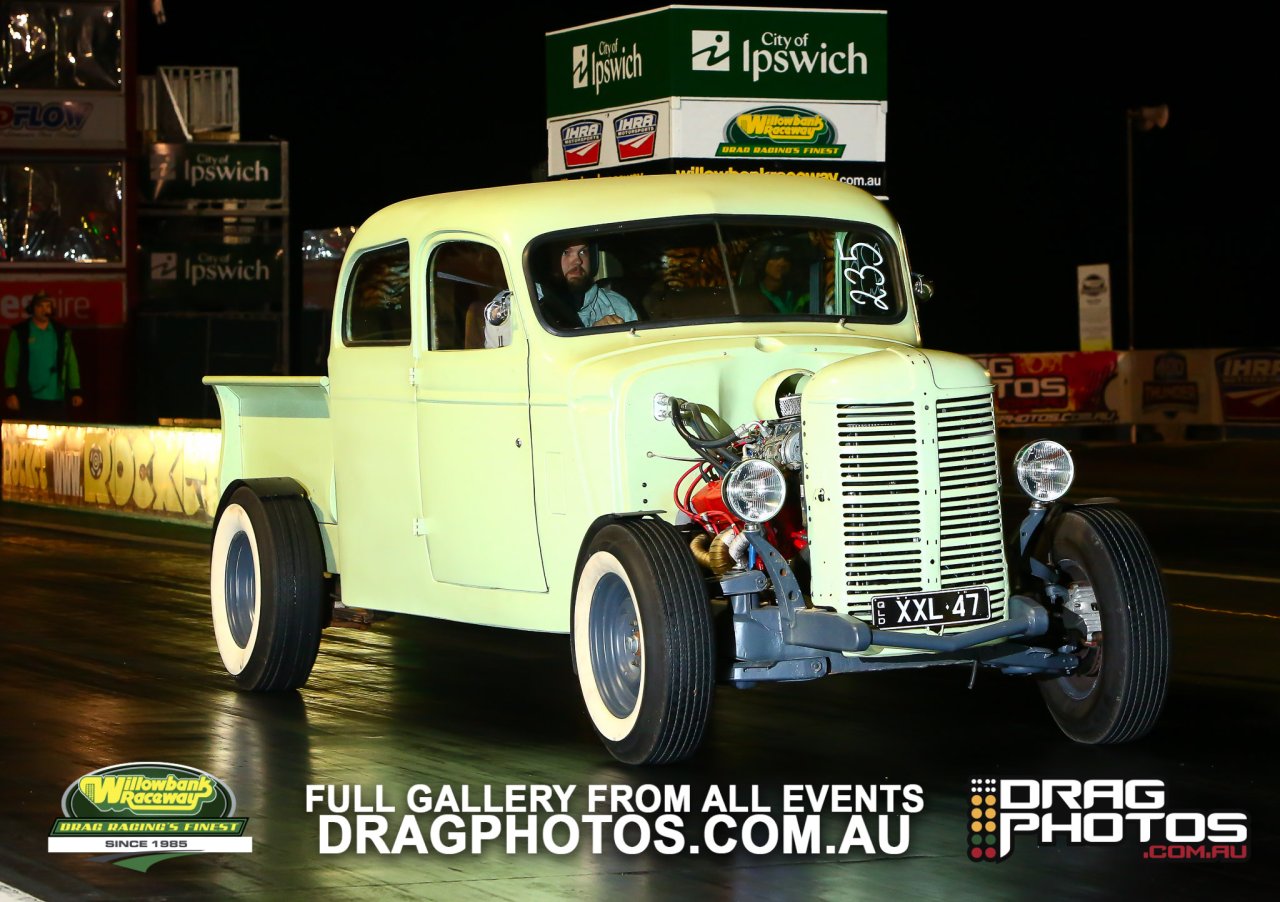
1044	470
754	490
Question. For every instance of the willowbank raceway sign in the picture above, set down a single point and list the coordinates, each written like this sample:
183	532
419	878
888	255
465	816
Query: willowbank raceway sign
719	89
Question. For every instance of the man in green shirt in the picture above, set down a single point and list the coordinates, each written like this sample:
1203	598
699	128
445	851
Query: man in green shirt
40	367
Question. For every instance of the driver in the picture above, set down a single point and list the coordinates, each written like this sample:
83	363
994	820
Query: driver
569	295
571	298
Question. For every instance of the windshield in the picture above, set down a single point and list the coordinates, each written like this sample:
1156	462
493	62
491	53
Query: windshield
715	270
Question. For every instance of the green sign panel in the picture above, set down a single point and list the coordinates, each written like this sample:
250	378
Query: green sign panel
723	52
202	275
215	171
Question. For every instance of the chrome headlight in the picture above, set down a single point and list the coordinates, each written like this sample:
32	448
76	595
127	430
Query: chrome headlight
1044	470
754	490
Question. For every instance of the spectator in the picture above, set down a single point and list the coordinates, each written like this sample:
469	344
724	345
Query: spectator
40	368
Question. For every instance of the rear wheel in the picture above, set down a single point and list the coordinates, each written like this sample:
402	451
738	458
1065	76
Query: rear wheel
642	642
1118	690
266	583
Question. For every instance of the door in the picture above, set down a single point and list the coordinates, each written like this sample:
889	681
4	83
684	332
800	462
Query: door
378	502
476	446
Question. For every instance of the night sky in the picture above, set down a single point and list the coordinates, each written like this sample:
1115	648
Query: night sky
1006	146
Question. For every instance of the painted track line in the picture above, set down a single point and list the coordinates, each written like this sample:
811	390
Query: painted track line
1196	607
13	894
1273	580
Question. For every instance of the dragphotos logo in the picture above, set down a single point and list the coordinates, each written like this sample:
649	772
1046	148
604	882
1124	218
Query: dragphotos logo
1098	812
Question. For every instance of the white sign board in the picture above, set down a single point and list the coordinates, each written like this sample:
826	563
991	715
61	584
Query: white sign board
1093	287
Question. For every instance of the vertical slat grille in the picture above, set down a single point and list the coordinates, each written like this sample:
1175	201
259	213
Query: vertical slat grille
968	470
880	486
885	486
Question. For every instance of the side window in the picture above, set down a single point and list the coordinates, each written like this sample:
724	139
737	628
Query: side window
377	303
464	276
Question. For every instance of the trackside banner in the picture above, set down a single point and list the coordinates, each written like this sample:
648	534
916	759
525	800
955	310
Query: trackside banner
162	473
1198	386
1059	389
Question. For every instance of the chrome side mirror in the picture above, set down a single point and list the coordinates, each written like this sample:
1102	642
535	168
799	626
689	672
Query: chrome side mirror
497	310
921	288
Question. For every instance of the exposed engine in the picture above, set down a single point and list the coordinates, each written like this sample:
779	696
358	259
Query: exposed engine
748	479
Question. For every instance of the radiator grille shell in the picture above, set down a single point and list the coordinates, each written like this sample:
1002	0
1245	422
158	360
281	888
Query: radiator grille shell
903	495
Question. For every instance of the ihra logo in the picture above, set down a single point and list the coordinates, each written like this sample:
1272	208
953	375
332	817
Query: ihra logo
1098	812
1250	385
780	131
580	142
635	134
147	811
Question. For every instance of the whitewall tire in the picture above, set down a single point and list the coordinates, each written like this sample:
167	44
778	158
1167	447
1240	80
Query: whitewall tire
267	589
642	642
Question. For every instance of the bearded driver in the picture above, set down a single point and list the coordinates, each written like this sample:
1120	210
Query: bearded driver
571	298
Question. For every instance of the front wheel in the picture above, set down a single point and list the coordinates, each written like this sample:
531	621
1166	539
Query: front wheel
266	584
1118	690
642	642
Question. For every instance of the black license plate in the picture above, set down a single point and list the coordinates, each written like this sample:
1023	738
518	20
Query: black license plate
917	609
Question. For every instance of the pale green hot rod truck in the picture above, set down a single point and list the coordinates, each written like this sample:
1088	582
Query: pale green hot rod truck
686	420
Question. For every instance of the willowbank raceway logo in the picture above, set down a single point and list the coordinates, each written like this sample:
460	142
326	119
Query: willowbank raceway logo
1098	812
144	812
780	131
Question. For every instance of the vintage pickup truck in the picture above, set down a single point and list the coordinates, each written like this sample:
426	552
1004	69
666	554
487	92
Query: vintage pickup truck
687	421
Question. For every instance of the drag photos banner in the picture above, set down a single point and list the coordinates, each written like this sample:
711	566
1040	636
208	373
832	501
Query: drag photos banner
560	819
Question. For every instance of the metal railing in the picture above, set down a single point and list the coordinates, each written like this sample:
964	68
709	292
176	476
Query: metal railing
185	102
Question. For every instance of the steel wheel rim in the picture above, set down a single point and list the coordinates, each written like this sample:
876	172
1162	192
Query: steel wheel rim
614	636
1081	684
241	586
